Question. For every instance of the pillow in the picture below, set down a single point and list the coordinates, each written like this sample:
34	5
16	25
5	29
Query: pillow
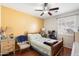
34	36
21	38
38	35
31	36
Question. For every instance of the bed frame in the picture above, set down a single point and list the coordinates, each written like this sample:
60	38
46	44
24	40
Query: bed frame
57	48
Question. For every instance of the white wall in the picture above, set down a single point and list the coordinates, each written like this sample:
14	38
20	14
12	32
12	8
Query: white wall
52	24
77	21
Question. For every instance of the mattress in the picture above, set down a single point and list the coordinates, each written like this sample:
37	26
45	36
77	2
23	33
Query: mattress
45	49
38	43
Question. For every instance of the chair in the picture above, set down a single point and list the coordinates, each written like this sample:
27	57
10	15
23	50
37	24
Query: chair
22	42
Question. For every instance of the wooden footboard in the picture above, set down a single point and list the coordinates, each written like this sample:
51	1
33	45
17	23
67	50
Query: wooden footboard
56	48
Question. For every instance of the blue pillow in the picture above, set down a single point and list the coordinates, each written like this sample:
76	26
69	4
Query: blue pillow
22	38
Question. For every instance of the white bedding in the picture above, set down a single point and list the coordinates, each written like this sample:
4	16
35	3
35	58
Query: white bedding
38	42
75	49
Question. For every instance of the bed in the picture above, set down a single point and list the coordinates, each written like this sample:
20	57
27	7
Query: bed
37	42
75	48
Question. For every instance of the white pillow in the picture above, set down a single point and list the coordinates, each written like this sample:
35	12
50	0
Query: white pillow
34	36
37	35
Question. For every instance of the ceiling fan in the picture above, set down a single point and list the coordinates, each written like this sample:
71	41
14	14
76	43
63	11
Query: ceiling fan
47	10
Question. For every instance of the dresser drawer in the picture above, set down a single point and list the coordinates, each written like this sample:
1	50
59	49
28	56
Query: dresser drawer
7	46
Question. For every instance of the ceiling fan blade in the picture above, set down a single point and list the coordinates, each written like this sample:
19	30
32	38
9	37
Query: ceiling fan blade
54	9
38	10
49	13
42	14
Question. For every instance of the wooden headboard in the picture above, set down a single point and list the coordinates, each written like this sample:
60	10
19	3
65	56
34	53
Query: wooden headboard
77	36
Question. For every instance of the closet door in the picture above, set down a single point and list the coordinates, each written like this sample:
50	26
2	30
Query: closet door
66	29
77	37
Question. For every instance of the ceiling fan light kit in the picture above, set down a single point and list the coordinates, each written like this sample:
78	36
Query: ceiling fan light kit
47	10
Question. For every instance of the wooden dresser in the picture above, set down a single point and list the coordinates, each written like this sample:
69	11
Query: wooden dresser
7	46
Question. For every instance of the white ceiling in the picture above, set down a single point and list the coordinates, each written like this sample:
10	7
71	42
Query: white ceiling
30	8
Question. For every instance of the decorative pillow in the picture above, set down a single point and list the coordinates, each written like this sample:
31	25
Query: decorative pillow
22	38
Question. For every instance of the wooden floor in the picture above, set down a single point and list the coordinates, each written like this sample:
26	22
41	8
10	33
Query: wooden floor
32	52
28	52
66	52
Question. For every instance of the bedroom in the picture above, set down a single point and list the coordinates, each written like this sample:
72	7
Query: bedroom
18	19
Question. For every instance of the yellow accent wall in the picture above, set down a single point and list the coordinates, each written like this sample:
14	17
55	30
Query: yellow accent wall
0	16
18	22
